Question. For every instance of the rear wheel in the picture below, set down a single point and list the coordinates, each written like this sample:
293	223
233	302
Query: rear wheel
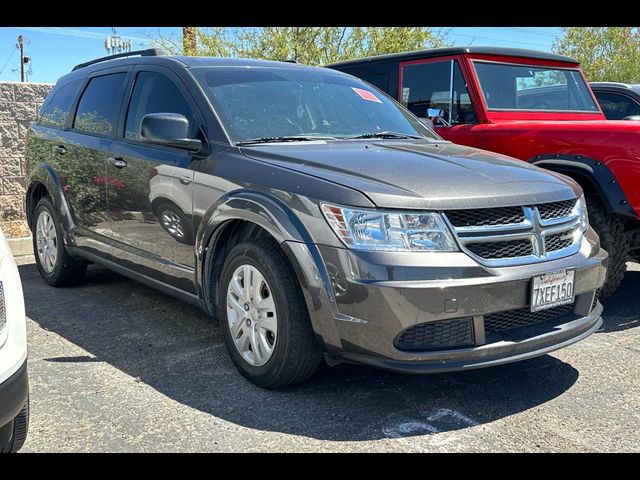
175	223
55	265
614	240
264	316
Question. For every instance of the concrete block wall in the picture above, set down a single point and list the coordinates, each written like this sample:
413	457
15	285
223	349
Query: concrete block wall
19	105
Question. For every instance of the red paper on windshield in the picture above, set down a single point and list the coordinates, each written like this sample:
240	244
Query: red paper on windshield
366	95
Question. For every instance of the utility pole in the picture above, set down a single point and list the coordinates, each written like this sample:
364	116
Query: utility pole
189	40
21	47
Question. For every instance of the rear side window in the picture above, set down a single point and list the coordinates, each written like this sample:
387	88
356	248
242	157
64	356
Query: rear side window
155	93
617	106
55	113
99	105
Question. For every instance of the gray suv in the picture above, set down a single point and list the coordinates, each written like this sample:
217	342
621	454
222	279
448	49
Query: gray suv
309	212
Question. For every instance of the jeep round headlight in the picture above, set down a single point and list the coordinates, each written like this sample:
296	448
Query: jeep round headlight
390	231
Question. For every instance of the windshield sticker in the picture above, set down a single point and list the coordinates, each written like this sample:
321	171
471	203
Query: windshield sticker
366	95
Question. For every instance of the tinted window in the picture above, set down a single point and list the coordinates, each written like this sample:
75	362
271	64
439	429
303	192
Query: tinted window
428	86
55	112
99	105
522	87
265	102
616	106
155	93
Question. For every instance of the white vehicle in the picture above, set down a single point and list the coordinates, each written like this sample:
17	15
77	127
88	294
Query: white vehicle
14	385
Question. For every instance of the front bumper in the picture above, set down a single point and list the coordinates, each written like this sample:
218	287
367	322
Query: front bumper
13	395
378	295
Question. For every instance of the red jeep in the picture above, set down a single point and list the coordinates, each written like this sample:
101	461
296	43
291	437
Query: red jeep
530	105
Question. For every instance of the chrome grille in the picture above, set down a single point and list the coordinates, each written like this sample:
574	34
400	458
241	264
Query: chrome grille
558	241
3	312
518	235
485	216
549	211
492	250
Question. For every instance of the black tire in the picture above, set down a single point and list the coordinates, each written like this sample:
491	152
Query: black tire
614	240
67	270
296	354
20	430
187	237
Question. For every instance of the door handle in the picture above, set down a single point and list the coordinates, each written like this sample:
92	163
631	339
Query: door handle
184	179
117	162
61	149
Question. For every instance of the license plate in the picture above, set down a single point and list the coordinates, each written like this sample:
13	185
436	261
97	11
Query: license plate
552	289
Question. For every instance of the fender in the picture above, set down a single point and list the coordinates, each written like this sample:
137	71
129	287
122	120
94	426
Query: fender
285	227
597	173
46	175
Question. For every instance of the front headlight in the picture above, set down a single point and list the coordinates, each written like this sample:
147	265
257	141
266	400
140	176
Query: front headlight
390	231
583	214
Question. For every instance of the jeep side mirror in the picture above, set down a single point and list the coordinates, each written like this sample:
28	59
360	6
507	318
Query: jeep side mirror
435	118
168	129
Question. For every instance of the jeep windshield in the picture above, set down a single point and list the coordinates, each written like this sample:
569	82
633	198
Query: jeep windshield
259	105
514	87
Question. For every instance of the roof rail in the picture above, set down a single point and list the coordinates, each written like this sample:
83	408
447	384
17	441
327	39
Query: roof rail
150	52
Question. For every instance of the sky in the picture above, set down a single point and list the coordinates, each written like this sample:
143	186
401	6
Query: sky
55	50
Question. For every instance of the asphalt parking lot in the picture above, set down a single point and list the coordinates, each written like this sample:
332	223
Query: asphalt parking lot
116	366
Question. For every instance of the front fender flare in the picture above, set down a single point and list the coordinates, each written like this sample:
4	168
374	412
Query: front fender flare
285	227
595	172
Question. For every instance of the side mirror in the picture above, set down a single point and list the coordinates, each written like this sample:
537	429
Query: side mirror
435	118
168	129
632	117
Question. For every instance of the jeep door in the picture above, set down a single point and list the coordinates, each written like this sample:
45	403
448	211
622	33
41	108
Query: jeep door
429	85
81	154
151	186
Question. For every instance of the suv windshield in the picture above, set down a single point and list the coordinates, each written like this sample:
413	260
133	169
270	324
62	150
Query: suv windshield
527	88
289	104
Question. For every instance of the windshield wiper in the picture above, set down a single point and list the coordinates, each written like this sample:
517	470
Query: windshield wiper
286	138
385	134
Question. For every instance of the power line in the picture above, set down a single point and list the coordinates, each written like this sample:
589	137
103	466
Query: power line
13	52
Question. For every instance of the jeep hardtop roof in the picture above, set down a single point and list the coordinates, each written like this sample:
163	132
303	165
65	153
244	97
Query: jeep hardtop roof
441	52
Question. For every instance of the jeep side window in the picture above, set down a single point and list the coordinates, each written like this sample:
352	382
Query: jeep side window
155	93
616	106
54	113
99	105
439	86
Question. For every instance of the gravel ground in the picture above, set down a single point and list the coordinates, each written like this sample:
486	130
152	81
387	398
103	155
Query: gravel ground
115	366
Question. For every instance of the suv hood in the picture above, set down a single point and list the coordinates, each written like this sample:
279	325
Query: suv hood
421	174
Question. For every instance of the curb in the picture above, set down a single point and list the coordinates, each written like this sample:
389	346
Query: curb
20	246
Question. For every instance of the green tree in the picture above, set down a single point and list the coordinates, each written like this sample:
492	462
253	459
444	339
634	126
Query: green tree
308	45
606	53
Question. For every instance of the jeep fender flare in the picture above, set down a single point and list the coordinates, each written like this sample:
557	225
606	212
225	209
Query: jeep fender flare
600	177
44	174
285	227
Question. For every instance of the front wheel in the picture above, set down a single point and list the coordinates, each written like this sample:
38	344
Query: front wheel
19	432
264	317
54	263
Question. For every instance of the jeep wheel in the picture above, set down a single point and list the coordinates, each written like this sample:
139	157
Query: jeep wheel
264	317
614	240
55	265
